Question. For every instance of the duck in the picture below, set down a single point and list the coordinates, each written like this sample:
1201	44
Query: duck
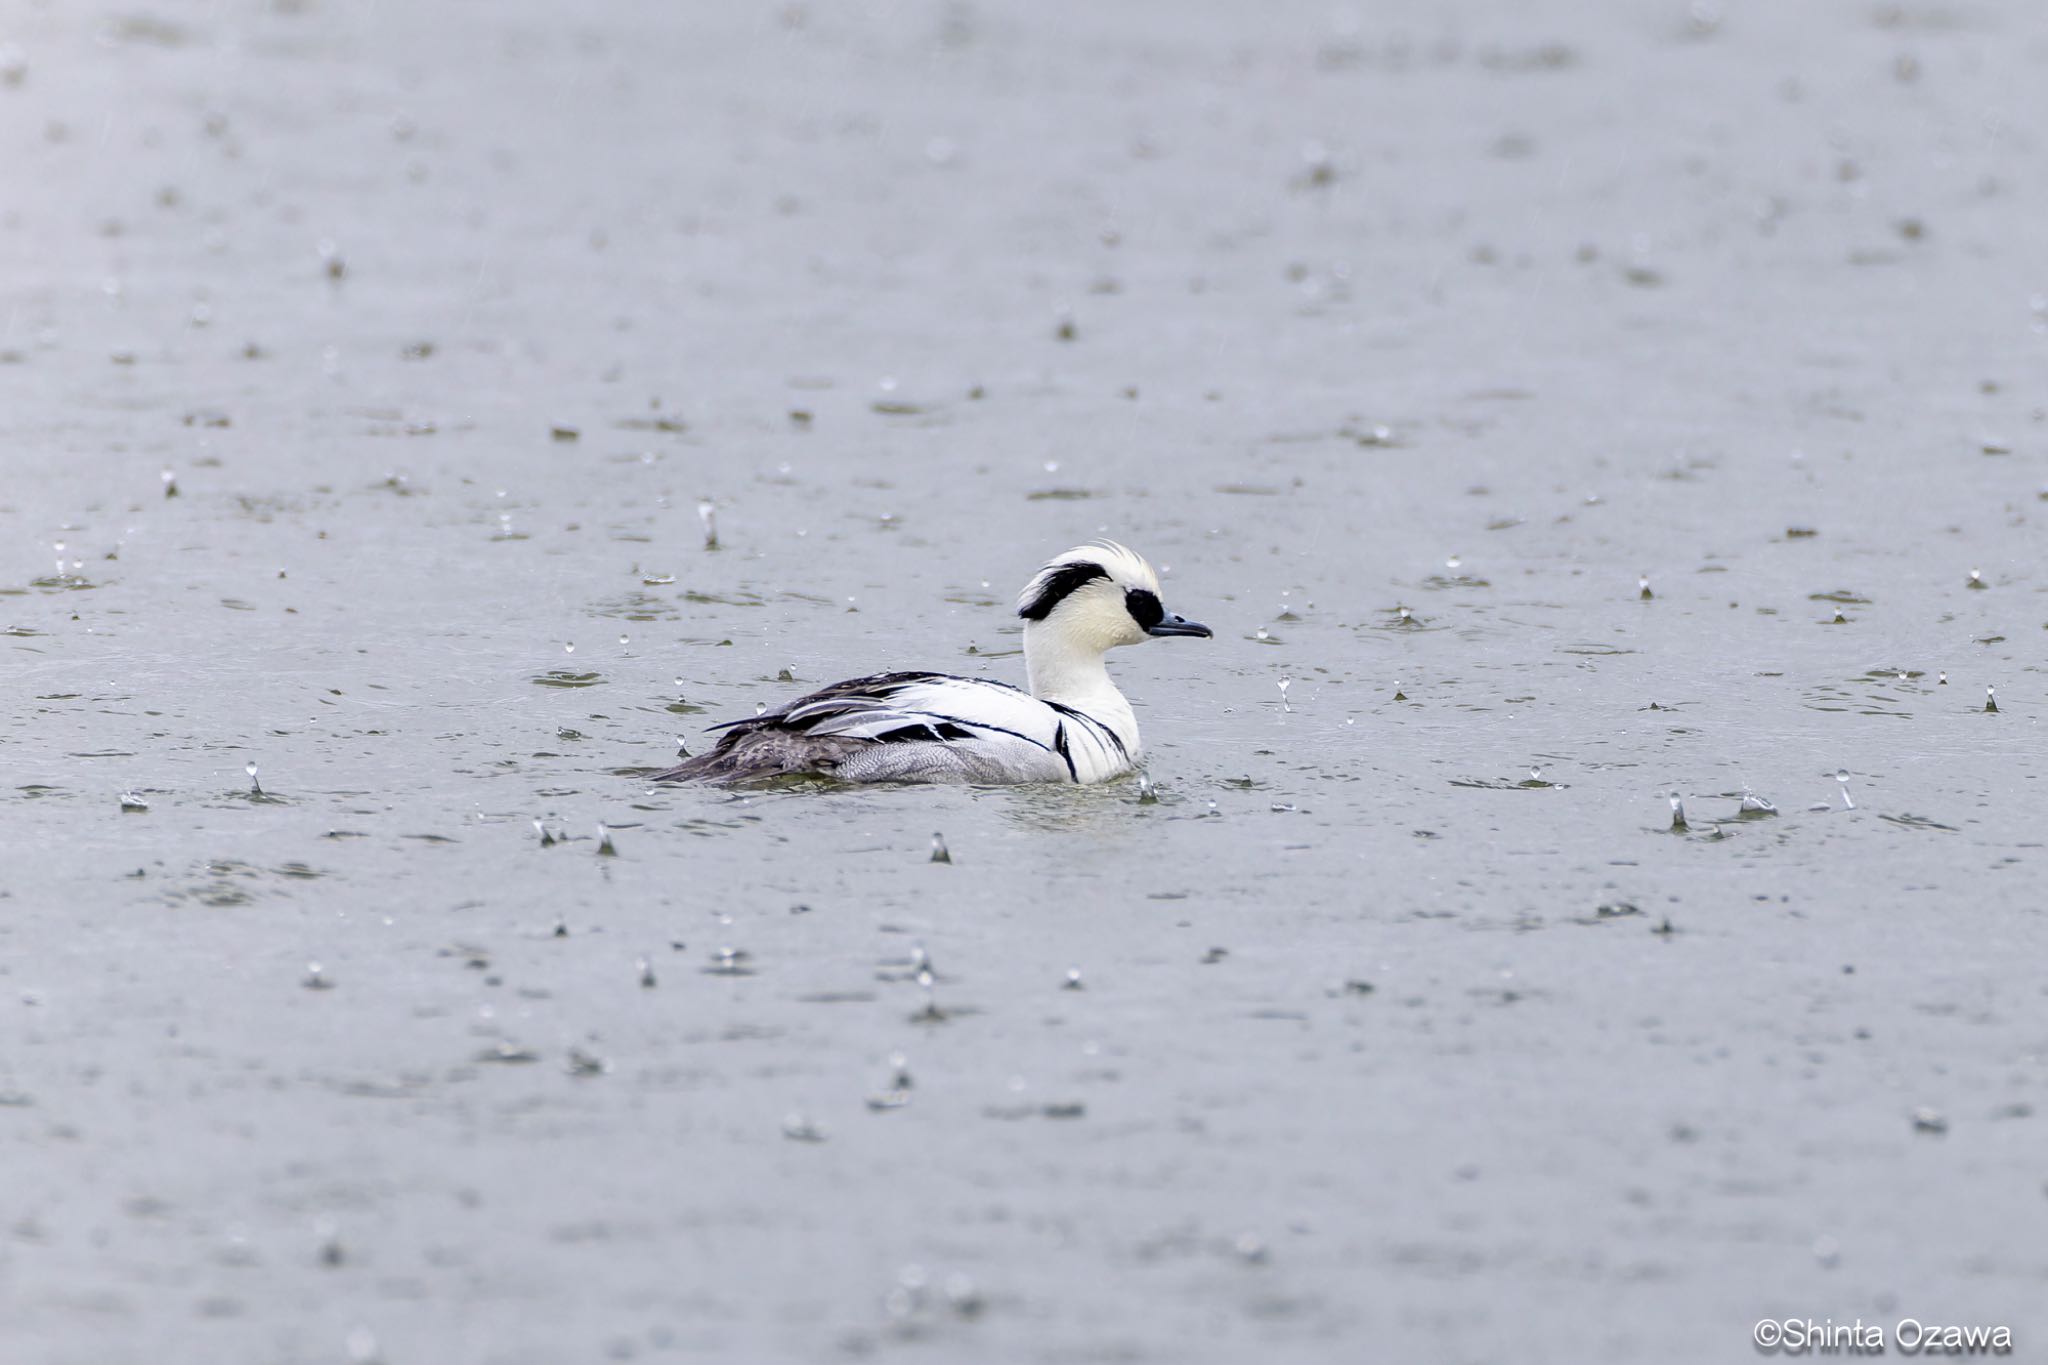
1072	725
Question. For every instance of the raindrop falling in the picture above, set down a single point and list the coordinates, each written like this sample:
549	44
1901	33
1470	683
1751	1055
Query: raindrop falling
604	842
708	514
1536	774
1643	588
1838	619
647	979
1678	825
1404	616
1453	562
798	1128
1848	801
568	647
1941	679
624	640
316	978
547	840
1148	795
1991	699
760	708
1399	695
1073	981
1977	579
60	558
170	484
1260	634
1284	684
255	787
940	853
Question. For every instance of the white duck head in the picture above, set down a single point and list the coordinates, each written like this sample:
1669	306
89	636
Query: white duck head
1081	605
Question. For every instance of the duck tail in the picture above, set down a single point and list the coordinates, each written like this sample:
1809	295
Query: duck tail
744	754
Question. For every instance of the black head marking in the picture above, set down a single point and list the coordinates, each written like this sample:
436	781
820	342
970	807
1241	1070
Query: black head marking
1143	605
1055	585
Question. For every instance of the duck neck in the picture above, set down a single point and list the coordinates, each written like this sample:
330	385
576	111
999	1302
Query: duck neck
1076	677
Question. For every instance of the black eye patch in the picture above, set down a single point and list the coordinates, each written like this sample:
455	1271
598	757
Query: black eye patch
1143	605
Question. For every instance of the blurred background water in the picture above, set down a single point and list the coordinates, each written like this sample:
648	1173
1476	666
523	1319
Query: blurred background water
1558	410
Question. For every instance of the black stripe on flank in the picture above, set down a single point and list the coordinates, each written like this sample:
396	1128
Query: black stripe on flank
1059	745
1057	584
1094	725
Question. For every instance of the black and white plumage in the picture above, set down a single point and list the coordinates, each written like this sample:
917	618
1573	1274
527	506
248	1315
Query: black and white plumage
1072	726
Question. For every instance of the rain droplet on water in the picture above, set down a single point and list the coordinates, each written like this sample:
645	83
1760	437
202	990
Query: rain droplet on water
1991	699
1941	679
568	647
1677	813
1643	588
760	708
1283	685
254	785
1453	562
1848	801
940	853
708	514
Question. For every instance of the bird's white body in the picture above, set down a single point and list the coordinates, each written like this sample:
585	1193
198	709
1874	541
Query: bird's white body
1072	726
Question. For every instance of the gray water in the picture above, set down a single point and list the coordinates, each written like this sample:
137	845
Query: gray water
1405	1025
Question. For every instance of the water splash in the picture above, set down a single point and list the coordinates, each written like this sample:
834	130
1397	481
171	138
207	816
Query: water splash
604	842
708	514
1991	700
255	787
1073	980
1848	801
1643	592
647	978
133	802
1678	824
1976	579
940	853
1283	685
